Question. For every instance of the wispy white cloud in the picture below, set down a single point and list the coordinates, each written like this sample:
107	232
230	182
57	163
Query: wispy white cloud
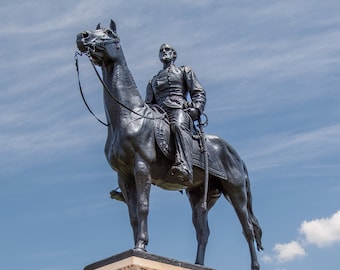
266	258
50	16
322	232
286	149
289	251
243	58
43	142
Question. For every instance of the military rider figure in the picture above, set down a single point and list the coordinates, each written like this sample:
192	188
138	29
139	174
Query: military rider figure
169	89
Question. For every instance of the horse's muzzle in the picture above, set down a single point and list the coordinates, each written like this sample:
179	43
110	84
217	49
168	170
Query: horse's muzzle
80	42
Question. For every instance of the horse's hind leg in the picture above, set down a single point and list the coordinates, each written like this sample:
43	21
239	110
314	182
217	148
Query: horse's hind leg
238	197
200	217
253	219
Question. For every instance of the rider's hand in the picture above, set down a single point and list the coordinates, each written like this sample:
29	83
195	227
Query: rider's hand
194	113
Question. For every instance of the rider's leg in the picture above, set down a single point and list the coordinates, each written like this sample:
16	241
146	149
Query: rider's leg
180	123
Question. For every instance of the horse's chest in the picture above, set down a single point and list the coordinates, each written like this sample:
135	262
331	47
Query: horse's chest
129	142
119	151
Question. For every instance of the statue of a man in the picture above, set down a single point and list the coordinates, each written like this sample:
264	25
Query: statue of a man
169	89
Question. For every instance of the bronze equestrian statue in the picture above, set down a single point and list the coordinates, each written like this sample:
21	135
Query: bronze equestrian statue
141	149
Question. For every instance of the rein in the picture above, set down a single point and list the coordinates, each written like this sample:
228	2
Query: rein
108	91
81	90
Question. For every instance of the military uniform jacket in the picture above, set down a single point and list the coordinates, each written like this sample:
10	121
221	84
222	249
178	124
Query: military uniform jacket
170	88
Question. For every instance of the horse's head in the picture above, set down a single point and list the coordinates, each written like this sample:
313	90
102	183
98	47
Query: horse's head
102	45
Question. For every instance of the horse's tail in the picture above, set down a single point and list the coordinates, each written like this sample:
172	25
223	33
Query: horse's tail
256	225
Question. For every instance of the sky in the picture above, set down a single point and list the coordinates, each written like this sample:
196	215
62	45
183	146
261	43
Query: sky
271	71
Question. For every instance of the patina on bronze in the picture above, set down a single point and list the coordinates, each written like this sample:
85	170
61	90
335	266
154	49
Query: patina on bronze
141	148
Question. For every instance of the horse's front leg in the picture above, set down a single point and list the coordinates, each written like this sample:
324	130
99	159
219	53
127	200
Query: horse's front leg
143	186
128	188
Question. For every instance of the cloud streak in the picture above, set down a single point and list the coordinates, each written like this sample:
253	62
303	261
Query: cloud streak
289	149
289	251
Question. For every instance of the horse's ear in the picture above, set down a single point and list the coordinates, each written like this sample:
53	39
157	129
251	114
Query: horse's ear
113	26
98	26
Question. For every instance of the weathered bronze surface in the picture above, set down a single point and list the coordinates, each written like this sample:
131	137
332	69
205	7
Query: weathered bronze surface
141	160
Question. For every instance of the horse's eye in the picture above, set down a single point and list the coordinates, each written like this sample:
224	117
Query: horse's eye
109	32
85	35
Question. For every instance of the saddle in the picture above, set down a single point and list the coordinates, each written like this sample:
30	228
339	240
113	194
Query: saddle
165	143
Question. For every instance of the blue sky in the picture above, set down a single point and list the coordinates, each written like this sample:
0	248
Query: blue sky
272	74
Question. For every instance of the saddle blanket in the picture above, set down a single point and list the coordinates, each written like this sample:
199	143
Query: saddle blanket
166	145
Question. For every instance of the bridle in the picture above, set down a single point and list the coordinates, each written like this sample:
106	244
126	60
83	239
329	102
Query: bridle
88	54
81	89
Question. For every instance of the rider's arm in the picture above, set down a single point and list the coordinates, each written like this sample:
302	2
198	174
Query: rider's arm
197	93
149	97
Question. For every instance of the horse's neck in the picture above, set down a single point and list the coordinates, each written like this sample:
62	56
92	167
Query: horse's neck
122	87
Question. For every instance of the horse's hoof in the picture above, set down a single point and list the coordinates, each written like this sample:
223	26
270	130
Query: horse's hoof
140	249
116	195
255	266
140	246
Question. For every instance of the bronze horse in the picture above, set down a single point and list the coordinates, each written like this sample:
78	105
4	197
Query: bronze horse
131	150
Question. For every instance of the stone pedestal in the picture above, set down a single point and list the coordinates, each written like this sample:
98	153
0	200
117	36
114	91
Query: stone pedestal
138	260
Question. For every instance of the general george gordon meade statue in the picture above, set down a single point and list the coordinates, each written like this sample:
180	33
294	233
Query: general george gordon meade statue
169	89
140	145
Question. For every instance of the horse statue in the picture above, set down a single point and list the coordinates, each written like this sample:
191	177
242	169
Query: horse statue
140	149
